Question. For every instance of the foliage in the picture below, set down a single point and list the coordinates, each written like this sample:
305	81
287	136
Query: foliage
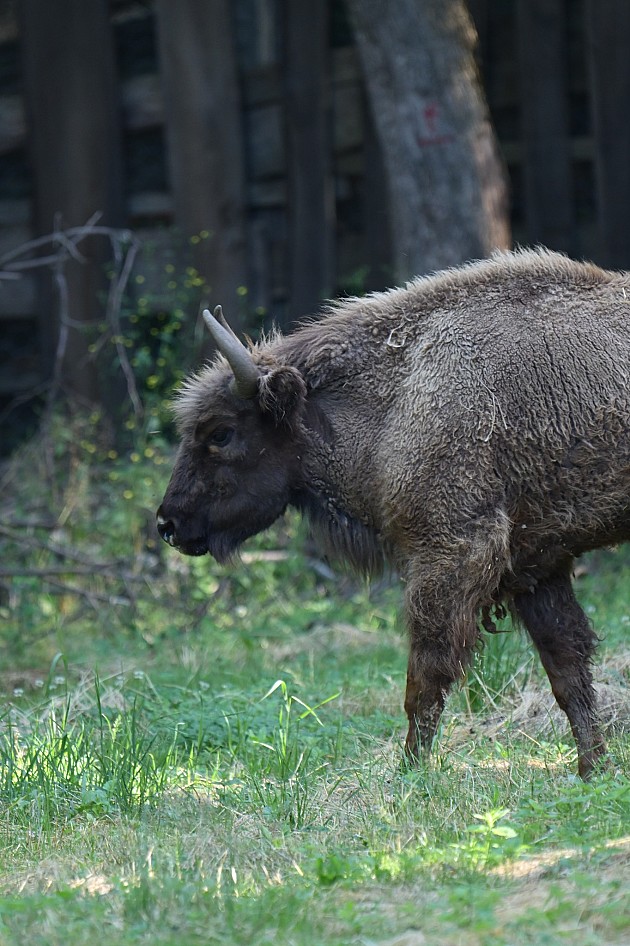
162	343
159	325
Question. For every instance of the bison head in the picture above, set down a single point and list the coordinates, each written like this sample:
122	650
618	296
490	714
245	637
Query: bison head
239	458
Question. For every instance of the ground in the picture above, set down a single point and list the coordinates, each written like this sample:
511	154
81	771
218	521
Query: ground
196	754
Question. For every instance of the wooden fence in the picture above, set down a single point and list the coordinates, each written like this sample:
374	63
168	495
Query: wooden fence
544	100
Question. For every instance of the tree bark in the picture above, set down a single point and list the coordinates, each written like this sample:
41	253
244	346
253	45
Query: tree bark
309	155
447	187
607	31
76	154
205	142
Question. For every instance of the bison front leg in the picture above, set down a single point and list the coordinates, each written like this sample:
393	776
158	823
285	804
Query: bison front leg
434	665
448	583
566	642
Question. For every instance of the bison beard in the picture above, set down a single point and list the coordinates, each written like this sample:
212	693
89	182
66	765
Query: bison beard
471	429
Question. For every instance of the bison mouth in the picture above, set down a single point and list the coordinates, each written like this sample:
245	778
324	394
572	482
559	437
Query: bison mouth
223	546
196	547
222	542
168	532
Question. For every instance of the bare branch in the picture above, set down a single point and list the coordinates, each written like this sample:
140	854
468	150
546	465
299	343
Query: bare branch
64	246
114	303
103	571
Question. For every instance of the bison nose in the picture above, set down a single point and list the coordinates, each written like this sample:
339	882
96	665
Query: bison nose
166	528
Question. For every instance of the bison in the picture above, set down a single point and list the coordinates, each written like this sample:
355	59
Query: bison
472	429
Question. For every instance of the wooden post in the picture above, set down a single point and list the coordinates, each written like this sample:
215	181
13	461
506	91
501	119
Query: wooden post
74	141
205	142
541	28
309	155
607	33
377	223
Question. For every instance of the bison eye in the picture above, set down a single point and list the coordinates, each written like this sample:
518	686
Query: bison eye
221	436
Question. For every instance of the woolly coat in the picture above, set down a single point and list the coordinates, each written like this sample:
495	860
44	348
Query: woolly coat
471	428
488	405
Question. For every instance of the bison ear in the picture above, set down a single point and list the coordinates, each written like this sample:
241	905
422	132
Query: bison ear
282	393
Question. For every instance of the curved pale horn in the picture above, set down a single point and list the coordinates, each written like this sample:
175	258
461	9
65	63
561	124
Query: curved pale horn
246	374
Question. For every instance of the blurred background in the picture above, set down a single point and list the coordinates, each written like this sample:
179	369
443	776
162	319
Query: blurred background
268	154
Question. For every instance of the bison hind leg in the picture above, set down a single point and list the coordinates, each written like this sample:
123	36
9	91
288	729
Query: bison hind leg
566	642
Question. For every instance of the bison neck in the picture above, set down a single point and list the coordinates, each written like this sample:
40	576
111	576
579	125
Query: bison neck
341	536
330	497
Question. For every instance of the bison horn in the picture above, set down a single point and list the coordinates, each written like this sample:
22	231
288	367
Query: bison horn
246	374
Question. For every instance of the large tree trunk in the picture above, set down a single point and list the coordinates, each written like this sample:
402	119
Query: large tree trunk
76	155
607	31
309	155
447	187
205	141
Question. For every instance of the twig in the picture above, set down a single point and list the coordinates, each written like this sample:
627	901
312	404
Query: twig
64	245
47	524
10	262
114	303
91	596
102	571
30	542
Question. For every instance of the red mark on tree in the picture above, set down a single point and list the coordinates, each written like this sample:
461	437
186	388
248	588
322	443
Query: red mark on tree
430	119
434	131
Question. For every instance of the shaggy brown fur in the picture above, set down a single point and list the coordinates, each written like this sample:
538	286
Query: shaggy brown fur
472	428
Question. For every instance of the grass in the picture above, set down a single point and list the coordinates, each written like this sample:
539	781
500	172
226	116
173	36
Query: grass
216	756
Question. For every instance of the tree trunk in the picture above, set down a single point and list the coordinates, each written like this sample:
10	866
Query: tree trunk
607	31
447	187
76	155
205	142
309	153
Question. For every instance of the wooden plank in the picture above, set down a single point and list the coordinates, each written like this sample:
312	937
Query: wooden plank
205	140
347	117
18	298
345	65
545	126
267	194
12	123
580	149
256	24
309	155
20	374
142	102
265	141
151	204
262	85
15	212
76	155
607	34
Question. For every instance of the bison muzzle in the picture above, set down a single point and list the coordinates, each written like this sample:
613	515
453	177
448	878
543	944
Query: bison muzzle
471	429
